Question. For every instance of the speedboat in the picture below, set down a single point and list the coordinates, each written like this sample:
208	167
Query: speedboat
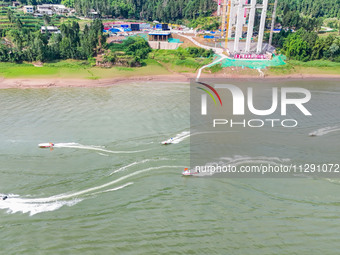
46	145
187	172
167	142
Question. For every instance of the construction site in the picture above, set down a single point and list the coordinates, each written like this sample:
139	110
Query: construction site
243	25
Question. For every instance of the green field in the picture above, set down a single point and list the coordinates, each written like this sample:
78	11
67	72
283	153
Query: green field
316	67
74	69
78	70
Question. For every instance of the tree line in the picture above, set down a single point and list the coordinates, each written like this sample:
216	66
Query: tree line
312	8
305	46
161	10
70	43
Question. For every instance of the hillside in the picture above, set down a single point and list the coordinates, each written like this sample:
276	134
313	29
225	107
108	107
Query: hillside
173	10
313	8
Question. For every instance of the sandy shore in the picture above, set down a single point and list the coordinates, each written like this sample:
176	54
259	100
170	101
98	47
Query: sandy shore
61	82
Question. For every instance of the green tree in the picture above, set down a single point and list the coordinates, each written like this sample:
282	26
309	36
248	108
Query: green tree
296	48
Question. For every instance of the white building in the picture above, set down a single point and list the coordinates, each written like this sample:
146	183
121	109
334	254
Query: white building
50	9
60	9
49	29
44	9
29	9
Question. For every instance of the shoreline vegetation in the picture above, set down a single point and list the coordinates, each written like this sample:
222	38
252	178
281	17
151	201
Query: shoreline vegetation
82	54
72	73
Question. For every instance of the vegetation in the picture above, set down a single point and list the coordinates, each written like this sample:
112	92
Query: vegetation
70	43
306	46
22	44
307	17
183	60
319	67
78	43
205	23
76	69
315	8
160	10
332	23
131	52
215	68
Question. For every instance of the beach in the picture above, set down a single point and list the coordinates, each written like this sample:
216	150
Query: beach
106	82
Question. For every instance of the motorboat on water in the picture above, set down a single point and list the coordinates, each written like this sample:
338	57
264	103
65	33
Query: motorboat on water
187	172
46	145
167	142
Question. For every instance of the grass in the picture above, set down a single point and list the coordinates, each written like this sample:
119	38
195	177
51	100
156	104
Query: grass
68	64
215	68
178	60
322	67
75	69
10	70
122	68
315	63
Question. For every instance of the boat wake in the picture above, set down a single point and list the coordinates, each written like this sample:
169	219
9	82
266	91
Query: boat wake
185	134
135	163
324	131
241	160
236	160
25	205
90	147
16	203
178	138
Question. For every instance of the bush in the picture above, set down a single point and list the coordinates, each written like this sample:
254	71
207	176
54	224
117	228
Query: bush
91	61
199	52
109	57
215	68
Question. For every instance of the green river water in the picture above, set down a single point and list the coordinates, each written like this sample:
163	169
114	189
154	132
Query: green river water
110	187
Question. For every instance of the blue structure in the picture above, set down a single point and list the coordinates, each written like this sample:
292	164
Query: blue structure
114	30
209	37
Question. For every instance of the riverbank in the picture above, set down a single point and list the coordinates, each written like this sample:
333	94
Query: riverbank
25	83
78	74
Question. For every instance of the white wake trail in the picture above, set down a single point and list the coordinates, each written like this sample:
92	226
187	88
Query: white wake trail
238	160
136	163
14	203
178	138
90	147
324	131
76	194
114	189
185	134
24	205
